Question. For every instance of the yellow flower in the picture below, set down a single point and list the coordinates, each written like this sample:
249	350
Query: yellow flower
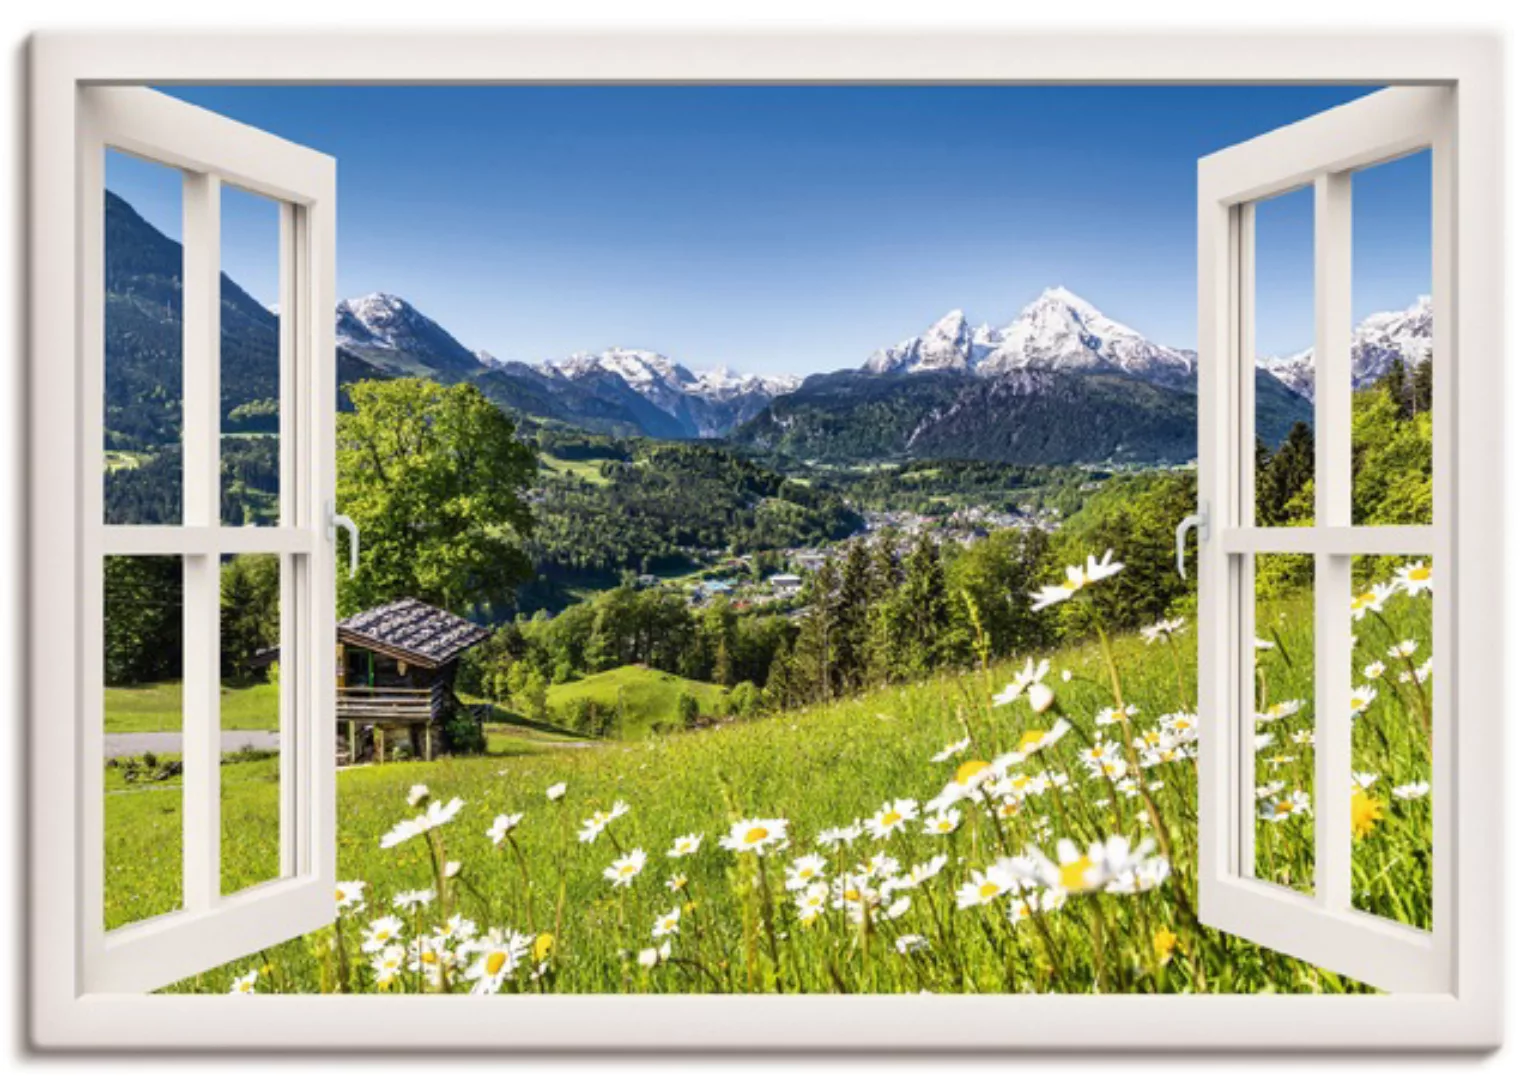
1366	813
542	946
1165	945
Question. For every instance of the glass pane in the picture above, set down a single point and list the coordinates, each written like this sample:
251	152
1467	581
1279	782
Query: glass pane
250	628
1392	343
142	339
142	720
1391	738
1284	753
249	357
1284	330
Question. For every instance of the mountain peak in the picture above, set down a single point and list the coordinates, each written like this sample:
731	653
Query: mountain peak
1058	294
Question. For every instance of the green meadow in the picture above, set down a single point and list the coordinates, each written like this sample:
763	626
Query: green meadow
900	908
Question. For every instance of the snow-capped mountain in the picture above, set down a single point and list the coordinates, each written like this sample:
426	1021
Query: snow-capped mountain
949	344
704	406
1058	331
392	334
1377	342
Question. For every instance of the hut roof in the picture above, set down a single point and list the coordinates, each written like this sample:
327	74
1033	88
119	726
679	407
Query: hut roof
411	631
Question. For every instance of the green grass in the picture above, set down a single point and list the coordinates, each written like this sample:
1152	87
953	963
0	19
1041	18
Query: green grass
646	696
822	767
589	471
157	707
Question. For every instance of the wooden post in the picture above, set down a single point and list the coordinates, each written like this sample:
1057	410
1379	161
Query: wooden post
428	740
378	741
351	738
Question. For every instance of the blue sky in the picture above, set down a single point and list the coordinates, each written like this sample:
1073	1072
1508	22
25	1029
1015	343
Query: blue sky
790	229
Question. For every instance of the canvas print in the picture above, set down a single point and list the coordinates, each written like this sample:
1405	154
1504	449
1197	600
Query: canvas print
767	576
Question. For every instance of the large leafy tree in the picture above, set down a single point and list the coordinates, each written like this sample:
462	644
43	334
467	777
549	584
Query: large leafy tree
434	476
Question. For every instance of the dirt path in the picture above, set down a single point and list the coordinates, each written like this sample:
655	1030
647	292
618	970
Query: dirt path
135	743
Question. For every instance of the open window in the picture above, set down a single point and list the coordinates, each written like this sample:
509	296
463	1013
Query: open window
165	543
1322	164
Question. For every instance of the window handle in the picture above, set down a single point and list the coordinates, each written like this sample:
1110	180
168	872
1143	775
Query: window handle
333	522
1198	521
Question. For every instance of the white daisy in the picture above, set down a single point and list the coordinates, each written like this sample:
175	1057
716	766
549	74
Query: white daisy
667	924
502	827
891	818
1415	790
683	846
803	870
756	834
950	749
625	868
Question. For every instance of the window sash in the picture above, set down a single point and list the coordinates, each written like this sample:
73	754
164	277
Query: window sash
1320	151
210	928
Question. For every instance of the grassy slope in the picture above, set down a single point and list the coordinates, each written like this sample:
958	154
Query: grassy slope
818	768
157	707
648	697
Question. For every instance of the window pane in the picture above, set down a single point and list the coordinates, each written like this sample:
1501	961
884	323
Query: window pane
1391	738
249	357
1284	333
142	339
1392	373
1284	752
249	715
142	720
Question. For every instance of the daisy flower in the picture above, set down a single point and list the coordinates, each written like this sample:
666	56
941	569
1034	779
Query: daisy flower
649	958
1371	599
1295	804
1303	738
982	888
1075	872
943	822
348	896
950	749
755	834
840	837
438	815
1162	631
556	791
381	932
1036	739
1111	716
1415	578
921	873
403	832
676	883
1102	751
496	957
1374	670
1035	901
803	870
414	899
502	827
1282	710
1404	650
417	794
683	846
1021	684
246	983
625	868
1362	697
597	823
667	924
387	965
1416	790
891	818
906	944
811	901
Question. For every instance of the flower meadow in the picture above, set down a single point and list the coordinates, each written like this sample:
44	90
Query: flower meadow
1026	828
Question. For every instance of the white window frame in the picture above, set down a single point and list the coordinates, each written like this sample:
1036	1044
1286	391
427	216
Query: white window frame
1466	1015
1317	155
212	153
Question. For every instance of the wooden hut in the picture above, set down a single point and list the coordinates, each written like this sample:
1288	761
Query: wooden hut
395	667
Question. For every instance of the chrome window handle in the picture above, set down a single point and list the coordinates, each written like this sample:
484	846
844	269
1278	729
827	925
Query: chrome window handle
333	522
1198	521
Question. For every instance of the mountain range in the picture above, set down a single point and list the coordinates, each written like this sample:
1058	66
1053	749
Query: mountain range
1059	383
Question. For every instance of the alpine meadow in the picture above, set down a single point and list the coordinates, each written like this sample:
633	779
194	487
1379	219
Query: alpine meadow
866	679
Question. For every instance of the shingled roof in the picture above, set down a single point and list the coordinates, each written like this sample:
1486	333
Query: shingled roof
411	631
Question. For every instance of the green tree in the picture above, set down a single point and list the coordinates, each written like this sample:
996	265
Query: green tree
250	618
434	477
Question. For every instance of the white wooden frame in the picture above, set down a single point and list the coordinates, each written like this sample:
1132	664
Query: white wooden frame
212	152
1466	1016
1316	153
